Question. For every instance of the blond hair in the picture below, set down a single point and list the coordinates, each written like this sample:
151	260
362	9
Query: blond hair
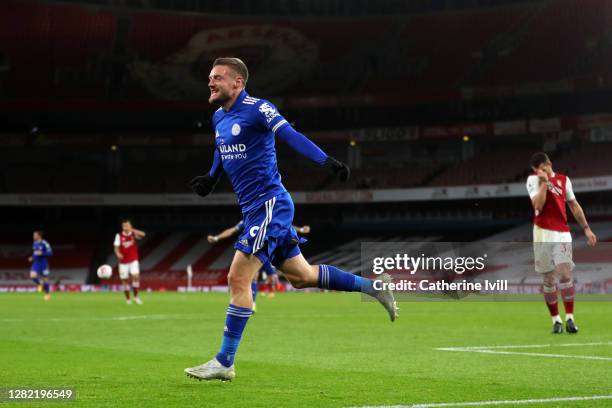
235	64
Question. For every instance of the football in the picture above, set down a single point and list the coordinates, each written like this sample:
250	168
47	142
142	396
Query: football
105	272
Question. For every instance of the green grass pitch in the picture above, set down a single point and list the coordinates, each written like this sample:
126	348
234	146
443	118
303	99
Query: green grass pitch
299	350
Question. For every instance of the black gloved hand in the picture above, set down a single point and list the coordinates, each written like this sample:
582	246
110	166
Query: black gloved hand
203	185
338	168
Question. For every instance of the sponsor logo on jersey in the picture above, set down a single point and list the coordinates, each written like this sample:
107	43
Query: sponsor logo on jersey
232	148
268	111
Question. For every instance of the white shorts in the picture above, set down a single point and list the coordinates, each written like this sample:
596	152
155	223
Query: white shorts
551	248
127	269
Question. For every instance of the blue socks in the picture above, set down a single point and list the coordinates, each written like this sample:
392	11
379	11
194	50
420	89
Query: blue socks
45	284
236	320
331	277
254	289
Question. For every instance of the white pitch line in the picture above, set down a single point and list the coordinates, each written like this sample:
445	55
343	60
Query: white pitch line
603	343
500	402
110	318
519	353
498	350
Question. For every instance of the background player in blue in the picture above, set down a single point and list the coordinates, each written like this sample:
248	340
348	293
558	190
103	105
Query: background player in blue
245	130
39	272
268	269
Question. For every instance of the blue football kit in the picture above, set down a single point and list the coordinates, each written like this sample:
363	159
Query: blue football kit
245	151
41	251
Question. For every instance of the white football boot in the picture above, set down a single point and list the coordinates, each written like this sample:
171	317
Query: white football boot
386	298
212	370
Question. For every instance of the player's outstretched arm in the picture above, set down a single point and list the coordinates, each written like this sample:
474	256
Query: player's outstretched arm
576	209
311	151
226	233
138	234
204	185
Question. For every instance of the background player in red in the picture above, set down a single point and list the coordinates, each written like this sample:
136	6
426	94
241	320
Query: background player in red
549	191
126	250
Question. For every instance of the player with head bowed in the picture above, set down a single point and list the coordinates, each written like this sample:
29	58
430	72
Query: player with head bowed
552	241
245	129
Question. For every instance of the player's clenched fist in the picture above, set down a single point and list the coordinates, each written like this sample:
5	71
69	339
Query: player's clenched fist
338	168
542	175
203	185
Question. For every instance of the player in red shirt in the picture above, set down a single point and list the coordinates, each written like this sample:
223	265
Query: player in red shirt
126	250
552	241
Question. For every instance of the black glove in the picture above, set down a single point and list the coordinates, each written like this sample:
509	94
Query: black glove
338	168
203	185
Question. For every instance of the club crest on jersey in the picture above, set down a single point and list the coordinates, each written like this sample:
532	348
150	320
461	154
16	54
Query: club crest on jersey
268	111
554	189
236	129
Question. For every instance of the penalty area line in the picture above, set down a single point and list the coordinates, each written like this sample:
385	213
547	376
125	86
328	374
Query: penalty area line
500	402
515	346
503	350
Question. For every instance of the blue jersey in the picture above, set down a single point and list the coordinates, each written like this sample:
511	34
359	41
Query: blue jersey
41	250
244	139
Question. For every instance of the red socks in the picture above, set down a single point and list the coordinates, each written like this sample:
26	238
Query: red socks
550	296
567	294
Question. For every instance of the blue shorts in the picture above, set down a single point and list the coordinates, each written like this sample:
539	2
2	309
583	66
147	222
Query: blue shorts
42	270
268	232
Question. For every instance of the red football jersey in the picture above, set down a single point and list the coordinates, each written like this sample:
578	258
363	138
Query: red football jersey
127	247
553	215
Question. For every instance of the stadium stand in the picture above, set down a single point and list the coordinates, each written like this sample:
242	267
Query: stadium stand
587	161
152	170
488	167
70	264
63	64
573	23
69	66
